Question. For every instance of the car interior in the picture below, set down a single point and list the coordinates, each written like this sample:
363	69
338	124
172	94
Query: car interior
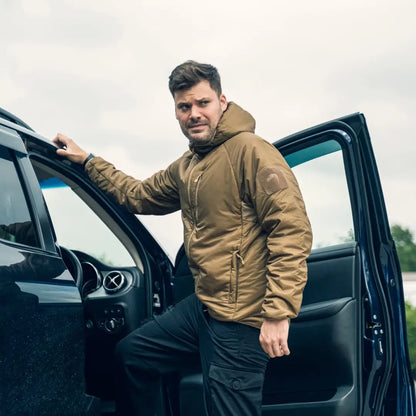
110	276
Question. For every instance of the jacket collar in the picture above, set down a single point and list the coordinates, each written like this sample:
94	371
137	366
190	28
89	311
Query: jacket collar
234	120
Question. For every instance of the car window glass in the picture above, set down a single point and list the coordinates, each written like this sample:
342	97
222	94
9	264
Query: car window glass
78	227
16	224
320	172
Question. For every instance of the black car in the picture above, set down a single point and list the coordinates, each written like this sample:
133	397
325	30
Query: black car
78	272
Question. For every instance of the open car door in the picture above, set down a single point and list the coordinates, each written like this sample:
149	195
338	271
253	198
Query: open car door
349	347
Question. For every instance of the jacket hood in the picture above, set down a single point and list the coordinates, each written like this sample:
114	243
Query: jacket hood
234	120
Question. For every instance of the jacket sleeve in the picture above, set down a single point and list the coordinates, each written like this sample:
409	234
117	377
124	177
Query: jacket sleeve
156	195
273	191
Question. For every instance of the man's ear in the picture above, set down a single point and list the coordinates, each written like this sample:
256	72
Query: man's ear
223	102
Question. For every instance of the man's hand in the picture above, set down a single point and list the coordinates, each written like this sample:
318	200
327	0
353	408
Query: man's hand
273	337
68	148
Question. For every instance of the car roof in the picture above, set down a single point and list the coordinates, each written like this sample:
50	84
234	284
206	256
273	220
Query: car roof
14	119
11	121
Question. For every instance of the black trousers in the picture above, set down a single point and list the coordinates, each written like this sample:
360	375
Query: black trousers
233	362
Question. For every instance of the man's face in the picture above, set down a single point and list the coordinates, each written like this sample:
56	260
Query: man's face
198	111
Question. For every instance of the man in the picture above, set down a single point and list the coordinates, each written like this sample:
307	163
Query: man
246	235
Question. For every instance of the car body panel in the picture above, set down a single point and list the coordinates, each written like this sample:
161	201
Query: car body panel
34	356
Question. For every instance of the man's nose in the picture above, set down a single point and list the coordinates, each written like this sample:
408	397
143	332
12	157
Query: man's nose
195	114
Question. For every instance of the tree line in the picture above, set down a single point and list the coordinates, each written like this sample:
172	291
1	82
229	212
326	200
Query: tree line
405	246
406	250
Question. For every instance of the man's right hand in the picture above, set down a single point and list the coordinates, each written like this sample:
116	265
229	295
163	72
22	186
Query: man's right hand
68	148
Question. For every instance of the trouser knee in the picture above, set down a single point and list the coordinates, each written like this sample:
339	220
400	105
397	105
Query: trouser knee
122	352
129	356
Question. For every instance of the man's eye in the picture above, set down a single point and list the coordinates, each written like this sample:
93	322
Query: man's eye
205	102
184	107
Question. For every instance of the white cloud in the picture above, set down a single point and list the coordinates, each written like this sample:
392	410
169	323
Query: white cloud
34	8
98	71
10	90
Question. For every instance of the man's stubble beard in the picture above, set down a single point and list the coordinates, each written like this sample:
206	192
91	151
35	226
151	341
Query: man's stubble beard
201	140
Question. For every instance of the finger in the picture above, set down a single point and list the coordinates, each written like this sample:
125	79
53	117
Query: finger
267	347
271	352
56	138
61	140
285	349
277	350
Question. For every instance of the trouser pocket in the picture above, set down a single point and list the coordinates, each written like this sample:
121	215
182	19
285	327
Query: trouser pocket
234	392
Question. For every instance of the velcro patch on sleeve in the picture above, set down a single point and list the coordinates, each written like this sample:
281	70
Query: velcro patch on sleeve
272	180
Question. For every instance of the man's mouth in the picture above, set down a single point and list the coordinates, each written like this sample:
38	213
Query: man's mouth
196	126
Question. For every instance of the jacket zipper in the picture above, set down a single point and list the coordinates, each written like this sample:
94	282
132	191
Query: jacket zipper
190	203
236	259
197	180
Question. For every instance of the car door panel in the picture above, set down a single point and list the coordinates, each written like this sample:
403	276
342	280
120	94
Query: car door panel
323	368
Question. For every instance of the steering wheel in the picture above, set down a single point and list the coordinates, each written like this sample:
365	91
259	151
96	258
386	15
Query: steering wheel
74	265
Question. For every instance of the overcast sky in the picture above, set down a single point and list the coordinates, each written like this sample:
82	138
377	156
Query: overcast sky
97	71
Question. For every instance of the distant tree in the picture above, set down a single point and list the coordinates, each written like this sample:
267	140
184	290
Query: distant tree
350	236
406	247
411	335
103	258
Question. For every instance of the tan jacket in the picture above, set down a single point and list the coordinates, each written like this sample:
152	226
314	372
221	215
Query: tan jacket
246	232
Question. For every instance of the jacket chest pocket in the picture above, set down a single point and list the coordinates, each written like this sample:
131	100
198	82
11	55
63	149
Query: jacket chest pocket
236	262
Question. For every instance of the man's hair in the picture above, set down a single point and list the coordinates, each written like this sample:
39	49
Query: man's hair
190	73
